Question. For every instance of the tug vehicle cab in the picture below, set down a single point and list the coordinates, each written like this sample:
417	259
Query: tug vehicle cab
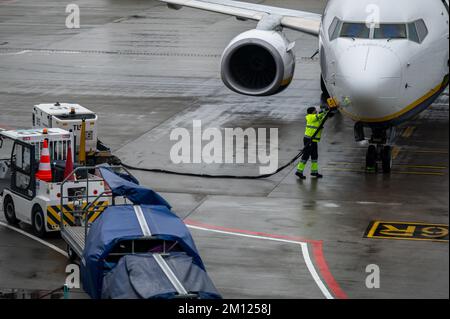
32	200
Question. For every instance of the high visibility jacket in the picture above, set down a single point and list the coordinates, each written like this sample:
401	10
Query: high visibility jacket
313	122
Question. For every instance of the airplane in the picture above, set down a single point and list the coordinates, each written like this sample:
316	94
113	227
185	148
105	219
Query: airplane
382	61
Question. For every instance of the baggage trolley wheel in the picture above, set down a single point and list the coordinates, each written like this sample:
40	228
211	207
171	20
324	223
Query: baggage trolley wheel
71	254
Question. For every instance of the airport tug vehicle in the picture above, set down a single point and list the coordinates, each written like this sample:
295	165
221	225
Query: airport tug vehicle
33	165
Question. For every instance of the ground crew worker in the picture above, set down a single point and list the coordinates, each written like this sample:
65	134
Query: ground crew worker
313	122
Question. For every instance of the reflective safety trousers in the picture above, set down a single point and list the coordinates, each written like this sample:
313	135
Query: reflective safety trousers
313	122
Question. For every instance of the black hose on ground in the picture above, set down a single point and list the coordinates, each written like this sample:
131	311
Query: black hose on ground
163	171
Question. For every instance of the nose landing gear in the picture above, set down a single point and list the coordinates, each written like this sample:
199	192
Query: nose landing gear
379	149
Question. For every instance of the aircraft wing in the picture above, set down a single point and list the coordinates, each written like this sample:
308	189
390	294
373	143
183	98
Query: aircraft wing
302	21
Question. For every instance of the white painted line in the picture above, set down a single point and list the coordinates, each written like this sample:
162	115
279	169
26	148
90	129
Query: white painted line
244	235
43	242
305	253
313	271
331	205
22	52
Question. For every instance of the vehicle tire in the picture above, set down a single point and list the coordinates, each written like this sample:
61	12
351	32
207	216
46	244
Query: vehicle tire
38	221
10	211
386	159
71	254
371	159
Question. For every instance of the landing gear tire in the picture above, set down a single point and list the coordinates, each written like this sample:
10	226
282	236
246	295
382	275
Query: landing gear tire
10	211
386	159
371	159
38	222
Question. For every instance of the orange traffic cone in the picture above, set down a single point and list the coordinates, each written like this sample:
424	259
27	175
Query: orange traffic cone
45	171
69	165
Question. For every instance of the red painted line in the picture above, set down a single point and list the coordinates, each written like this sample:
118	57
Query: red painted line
325	271
317	247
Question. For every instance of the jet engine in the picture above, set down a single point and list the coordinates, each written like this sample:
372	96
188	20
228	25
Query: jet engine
258	63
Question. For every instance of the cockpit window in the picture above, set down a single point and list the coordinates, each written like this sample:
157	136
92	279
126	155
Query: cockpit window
355	30
332	34
412	32
422	30
415	31
390	31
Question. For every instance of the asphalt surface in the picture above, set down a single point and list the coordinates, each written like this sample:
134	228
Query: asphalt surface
147	70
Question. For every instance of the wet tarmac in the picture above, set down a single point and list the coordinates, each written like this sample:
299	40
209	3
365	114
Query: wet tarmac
147	70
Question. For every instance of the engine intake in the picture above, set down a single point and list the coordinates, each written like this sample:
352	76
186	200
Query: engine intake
258	63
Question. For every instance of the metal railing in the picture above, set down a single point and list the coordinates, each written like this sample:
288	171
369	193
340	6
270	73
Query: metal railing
90	200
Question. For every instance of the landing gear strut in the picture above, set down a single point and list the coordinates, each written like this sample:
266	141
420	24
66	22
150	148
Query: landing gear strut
379	149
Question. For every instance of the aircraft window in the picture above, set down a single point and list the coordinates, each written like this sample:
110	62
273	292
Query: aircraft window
422	30
332	34
412	32
355	30
390	31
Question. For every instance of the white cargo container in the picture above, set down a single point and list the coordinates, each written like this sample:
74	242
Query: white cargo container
69	117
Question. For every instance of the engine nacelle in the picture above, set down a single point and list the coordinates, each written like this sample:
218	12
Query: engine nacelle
258	63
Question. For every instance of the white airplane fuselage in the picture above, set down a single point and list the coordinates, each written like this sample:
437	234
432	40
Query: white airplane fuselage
384	76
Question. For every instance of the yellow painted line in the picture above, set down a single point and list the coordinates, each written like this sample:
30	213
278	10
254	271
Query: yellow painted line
411	223
373	229
419	173
393	172
408	131
429	151
433	151
421	166
399	165
395	152
416	239
343	169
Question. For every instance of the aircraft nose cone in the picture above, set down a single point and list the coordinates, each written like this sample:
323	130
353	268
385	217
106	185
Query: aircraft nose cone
369	77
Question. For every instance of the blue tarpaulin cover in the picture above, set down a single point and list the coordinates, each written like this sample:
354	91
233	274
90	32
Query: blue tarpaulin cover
118	223
123	186
140	277
122	223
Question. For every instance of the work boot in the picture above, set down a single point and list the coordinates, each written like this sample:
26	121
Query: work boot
300	175
316	175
